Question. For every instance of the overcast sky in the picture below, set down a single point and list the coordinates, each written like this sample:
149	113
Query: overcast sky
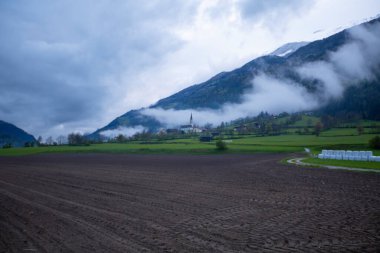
75	65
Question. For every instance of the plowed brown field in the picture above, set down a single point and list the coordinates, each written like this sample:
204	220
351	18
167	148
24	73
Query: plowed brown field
162	203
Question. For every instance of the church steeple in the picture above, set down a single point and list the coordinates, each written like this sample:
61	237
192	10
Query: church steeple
191	119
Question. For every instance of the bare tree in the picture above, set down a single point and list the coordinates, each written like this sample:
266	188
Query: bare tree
318	128
120	138
49	140
39	140
76	139
61	140
360	129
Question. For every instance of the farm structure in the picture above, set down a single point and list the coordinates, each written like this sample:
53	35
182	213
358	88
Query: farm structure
349	155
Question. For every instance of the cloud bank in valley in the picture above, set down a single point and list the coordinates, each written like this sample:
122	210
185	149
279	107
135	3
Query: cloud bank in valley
352	63
268	94
125	131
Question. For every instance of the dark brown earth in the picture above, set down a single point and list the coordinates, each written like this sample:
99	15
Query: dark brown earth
159	203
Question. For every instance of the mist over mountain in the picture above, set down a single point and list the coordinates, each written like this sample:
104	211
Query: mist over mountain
336	75
10	134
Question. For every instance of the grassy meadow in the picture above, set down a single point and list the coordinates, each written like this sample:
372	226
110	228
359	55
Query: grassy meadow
294	139
343	163
331	139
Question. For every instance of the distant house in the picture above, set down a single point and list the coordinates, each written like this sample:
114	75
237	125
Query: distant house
187	128
173	131
241	128
198	130
162	131
205	138
215	134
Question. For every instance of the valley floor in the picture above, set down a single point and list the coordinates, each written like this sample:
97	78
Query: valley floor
183	203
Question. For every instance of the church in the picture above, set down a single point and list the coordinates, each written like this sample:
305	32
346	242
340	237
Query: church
190	128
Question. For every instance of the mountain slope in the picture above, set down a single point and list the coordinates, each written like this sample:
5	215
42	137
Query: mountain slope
229	87
10	134
222	88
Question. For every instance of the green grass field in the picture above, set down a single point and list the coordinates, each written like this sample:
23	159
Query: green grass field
296	143
339	132
243	144
342	163
306	121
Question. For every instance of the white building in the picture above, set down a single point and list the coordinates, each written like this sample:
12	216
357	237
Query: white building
190	128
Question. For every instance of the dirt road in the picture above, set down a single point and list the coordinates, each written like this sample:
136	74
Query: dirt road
158	203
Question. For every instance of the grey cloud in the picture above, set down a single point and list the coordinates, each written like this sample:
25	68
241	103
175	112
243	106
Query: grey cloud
268	94
60	61
359	59
272	10
356	61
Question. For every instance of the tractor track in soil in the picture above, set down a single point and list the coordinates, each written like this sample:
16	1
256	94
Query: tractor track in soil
183	203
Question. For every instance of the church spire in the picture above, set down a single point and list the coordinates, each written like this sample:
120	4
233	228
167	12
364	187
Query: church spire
191	119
